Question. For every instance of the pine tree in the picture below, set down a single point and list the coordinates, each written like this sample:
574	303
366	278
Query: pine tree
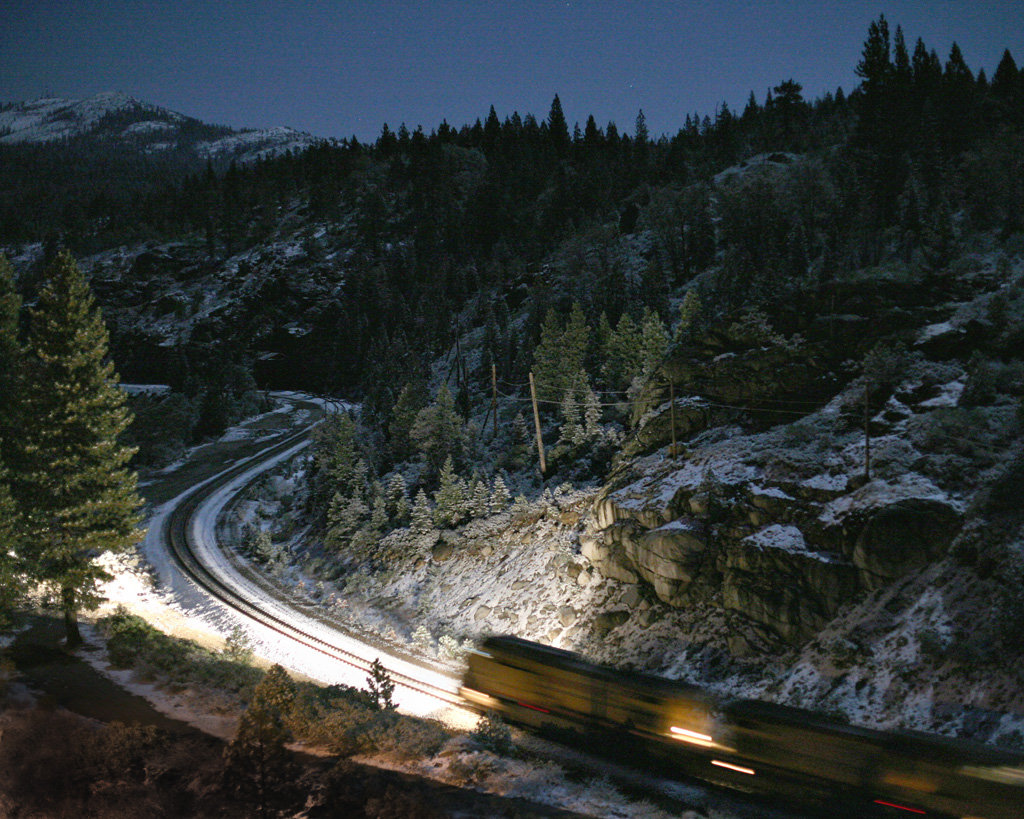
439	431
641	144
653	340
571	430
379	520
689	314
450	498
558	129
258	765
10	352
11	569
561	353
334	461
1006	82
398	498
500	495
546	356
403	416
75	493
621	353
592	430
480	499
381	687
344	518
422	515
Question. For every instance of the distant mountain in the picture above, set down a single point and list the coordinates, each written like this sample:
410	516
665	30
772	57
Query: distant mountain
124	120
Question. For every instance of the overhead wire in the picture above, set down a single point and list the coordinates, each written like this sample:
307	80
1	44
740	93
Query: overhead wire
739	408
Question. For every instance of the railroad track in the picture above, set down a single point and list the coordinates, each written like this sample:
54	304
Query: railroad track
179	535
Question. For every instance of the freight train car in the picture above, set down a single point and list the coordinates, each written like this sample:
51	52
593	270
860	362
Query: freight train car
913	773
748	744
545	687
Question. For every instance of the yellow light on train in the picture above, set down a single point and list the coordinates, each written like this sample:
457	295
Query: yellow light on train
479	698
1004	774
686	735
732	767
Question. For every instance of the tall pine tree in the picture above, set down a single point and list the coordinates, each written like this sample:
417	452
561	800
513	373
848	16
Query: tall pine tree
12	576
10	351
71	482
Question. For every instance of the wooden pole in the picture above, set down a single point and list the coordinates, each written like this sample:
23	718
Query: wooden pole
536	424
672	411
867	435
494	397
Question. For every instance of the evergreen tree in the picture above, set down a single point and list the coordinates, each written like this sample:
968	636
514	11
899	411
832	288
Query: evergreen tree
500	495
480	499
571	430
439	431
653	341
422	515
381	687
641	144
258	765
558	129
344	519
398	498
11	569
450	499
689	314
72	486
403	417
546	356
623	355
1008	86
592	430
561	354
337	455
379	520
10	352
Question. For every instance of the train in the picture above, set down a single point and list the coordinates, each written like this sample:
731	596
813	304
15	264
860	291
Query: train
759	747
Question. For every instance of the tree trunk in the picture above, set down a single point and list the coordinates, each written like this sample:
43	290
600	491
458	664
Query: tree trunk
70	605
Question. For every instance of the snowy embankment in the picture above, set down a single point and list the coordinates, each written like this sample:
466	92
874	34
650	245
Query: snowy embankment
275	647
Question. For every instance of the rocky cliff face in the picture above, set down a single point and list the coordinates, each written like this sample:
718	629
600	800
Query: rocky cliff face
784	551
779	526
814	465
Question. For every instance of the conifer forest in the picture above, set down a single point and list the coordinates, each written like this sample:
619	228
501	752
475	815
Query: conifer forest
741	405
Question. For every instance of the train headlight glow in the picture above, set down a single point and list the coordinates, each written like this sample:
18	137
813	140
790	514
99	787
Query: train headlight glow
479	698
731	767
686	735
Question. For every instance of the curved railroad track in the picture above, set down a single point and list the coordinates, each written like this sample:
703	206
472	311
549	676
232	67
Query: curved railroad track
179	535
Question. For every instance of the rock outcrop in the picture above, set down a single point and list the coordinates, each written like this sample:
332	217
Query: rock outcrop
784	551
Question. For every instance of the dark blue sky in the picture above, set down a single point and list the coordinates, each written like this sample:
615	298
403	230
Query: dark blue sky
338	67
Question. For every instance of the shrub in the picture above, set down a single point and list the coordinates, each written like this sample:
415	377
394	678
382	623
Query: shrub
492	733
133	643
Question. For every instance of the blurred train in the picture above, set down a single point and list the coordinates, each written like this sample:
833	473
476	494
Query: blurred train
756	746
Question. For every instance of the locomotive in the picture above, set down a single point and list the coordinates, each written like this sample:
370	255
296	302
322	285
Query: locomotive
756	746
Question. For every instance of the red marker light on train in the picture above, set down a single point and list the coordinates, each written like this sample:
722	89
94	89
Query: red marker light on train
898	807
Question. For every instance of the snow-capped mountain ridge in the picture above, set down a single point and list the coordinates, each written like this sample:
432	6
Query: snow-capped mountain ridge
141	125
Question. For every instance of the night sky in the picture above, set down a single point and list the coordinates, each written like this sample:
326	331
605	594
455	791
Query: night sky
343	67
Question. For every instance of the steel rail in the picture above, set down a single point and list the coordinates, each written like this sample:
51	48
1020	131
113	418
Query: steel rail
177	533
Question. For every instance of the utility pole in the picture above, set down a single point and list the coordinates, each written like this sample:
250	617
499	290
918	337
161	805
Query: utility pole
494	397
672	412
536	424
867	433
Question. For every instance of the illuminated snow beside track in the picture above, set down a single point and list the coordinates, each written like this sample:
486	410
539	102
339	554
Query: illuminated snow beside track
291	653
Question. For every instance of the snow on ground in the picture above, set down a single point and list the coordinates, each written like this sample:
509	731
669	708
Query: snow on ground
258	144
145	389
45	120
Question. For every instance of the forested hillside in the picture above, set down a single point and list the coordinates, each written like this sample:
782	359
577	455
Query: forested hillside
775	348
